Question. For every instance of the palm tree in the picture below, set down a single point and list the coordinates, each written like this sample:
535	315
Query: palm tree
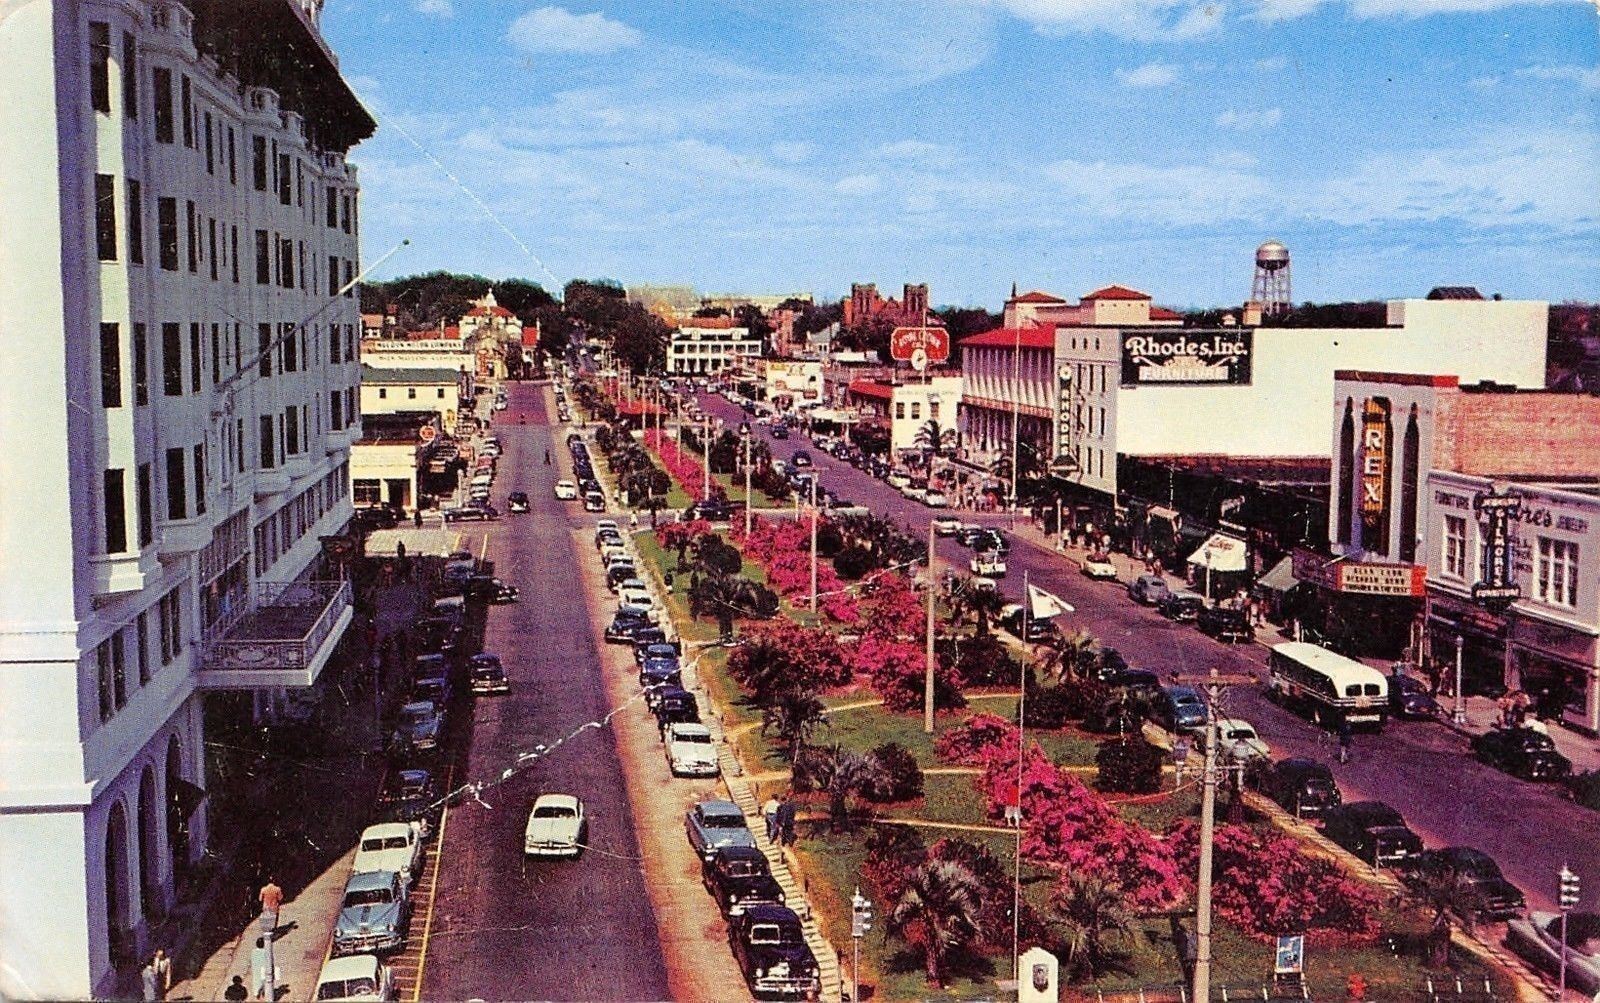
794	713
985	603
1076	655
1090	911
841	773
940	911
1447	897
932	439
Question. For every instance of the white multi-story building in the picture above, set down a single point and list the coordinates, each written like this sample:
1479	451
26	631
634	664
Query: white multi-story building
701	351
178	236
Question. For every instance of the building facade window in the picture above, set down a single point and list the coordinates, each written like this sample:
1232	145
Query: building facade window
170	612
114	499
194	237
105	217
194	358
263	258
171	360
135	222
200	479
146	512
110	365
100	66
161	86
211	148
113	682
177	486
258	163
141	366
130	75
268	460
186	93
264	348
167	232
1455	546
141	644
1556	573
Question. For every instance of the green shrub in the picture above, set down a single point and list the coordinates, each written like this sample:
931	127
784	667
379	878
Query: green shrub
852	562
897	776
1132	766
1053	706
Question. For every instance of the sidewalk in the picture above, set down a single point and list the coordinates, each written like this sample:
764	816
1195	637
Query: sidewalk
296	819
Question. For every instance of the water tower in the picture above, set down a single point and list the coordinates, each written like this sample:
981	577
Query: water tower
1271	285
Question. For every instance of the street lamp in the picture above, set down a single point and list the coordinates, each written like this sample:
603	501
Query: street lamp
1458	713
860	923
1568	902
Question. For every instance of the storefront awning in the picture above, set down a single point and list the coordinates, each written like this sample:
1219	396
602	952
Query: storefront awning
1281	578
1220	553
1162	512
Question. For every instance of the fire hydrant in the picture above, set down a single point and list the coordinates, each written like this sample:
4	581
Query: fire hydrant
1356	988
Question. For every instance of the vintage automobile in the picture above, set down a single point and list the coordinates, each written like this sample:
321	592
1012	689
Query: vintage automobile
408	796
674	705
418	728
1098	565
566	490
1522	752
374	914
1181	606
946	525
690	751
625	622
1492	897
489	589
1238	743
556	827
1537	939
488	675
1225	623
472	512
770	948
660	671
739	877
988	564
355	978
714	825
1148	590
1409	697
1302	787
1373	832
390	846
517	501
1178	709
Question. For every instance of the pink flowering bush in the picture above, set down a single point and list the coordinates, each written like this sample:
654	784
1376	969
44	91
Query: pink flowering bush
970	741
783	548
898	672
682	465
891	609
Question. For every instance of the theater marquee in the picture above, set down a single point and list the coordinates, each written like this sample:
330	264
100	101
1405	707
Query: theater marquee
1186	356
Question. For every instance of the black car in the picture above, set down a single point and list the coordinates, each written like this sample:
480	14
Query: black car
1225	623
1124	677
968	536
517	501
738	877
1522	752
625	623
620	572
711	510
1409	697
1476	873
1181	606
649	637
659	676
375	517
438	634
489	589
800	460
1373	832
409	796
780	432
436	691
771	951
1039	631
675	705
472	512
1302	787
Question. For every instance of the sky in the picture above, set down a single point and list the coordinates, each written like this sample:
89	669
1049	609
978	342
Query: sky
770	146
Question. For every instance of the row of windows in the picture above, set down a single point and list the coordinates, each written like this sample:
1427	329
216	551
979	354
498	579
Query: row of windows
411	393
111	655
916	410
280	172
1555	569
277	534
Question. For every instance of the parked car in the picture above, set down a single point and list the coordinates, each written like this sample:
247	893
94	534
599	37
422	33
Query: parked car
675	705
1373	832
647	640
780	432
1409	697
1302	787
408	796
936	499
1181	606
489	589
716	824
1148	590
488	675
739	877
989	564
946	525
1522	752
690	751
898	479
594	501
370	517
374	914
434	691
1225	623
1238	743
355	978
390	846
556	827
1538	940
624	622
770	948
711	510
1179	709
418	728
1039	630
657	676
799	460
619	570
472	512
1477	875
566	490
1098	565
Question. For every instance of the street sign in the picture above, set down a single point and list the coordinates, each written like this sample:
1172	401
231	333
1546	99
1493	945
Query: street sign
933	342
427	433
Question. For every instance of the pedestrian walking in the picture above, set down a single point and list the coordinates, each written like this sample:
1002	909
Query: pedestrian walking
769	812
271	898
416	517
547	457
1011	800
262	977
236	991
163	965
786	817
147	980
1345	737
633	520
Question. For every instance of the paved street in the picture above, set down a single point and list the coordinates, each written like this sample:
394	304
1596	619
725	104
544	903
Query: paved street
504	929
1422	768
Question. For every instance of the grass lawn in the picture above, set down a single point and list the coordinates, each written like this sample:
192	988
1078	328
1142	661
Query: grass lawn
946	797
865	728
733	484
1156	812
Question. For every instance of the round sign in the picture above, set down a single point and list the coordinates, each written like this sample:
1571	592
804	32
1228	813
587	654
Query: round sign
919	359
427	433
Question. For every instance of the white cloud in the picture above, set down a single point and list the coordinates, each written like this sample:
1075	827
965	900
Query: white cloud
1244	121
1284	10
1587	77
556	29
908	149
1148	75
793	151
1136	20
1487	83
434	8
858	184
1273	64
1233	159
1187	194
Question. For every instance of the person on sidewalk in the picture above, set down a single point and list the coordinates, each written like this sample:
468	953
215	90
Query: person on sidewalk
769	813
1345	738
147	981
236	991
1011	800
263	981
271	897
163	965
786	817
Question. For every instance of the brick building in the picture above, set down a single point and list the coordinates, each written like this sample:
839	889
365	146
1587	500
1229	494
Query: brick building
865	304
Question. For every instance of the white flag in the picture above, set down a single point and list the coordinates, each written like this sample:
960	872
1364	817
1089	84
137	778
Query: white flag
1043	605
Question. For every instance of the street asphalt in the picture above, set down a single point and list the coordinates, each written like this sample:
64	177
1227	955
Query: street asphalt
1421	768
504	928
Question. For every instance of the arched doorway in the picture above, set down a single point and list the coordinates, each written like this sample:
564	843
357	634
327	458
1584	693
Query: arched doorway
149	862
177	815
116	868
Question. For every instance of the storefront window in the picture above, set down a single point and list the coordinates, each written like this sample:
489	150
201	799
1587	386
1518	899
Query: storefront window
366	492
1455	546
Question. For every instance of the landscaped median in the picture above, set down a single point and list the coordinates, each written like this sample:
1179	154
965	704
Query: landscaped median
831	712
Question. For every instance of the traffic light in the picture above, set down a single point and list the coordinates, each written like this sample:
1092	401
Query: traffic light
1569	889
860	914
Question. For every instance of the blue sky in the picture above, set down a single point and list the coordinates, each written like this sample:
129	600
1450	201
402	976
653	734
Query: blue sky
776	145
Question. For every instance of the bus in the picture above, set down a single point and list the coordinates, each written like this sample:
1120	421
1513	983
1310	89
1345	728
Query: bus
1329	687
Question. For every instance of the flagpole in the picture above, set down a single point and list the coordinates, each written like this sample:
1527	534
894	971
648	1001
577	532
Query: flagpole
1016	857
927	686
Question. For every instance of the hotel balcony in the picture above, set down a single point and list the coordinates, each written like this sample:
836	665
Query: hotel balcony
282	640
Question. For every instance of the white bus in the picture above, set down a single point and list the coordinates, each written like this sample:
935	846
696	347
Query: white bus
1327	686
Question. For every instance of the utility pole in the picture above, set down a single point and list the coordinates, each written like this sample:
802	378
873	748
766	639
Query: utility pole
1016	419
705	456
927	685
748	495
1208	822
813	542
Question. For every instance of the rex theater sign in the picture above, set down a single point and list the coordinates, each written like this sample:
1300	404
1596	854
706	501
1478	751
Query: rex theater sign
1376	445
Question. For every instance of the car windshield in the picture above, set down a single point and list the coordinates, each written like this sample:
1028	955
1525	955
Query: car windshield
344	989
367	896
720	821
396	843
416	715
743	868
694	739
774	933
554	811
1241	734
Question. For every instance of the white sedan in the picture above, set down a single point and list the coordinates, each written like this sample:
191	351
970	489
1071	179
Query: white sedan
690	751
1237	742
988	565
936	499
390	846
1100	566
946	525
556	827
566	490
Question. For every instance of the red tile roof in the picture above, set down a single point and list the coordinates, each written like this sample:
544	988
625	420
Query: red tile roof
1037	297
1162	313
1036	336
490	311
452	332
871	388
1115	293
